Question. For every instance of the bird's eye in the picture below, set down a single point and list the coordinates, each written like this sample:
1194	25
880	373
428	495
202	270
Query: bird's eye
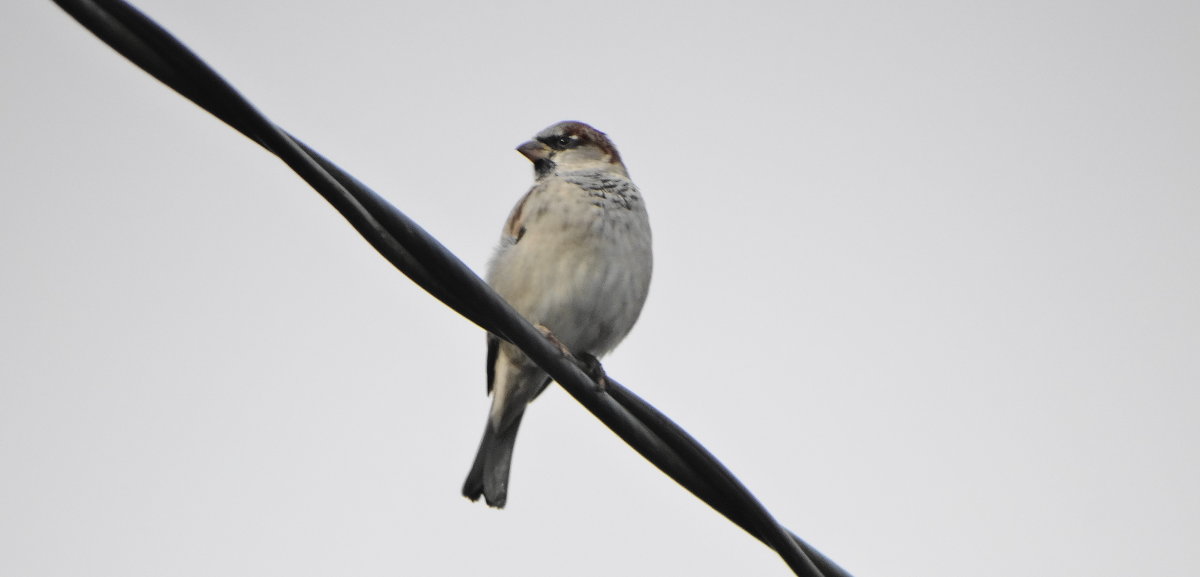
563	141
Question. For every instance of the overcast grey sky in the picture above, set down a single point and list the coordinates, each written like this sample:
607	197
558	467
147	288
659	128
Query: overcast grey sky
927	280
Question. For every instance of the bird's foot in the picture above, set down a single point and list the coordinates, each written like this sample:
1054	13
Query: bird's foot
593	368
550	336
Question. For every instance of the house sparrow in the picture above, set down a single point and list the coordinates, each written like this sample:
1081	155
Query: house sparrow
574	259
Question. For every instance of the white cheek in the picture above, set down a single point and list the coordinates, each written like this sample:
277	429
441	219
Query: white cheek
583	158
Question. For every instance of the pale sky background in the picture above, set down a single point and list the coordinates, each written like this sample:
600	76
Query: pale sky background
927	280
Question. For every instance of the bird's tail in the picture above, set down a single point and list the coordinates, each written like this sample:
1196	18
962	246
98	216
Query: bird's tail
489	473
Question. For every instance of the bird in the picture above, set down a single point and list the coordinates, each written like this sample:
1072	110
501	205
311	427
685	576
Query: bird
575	259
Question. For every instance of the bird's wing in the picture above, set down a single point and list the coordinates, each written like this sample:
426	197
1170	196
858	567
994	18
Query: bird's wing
514	228
493	351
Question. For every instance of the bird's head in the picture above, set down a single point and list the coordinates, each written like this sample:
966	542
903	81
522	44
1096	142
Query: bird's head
572	146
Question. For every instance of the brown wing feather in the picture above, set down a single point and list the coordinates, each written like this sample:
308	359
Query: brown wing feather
514	228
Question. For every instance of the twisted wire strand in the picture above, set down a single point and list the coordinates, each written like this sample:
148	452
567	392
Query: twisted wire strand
428	263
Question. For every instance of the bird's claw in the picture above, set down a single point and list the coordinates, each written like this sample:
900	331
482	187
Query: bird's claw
591	365
593	368
553	339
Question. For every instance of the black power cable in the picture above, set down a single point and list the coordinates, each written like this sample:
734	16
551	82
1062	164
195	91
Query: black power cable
419	256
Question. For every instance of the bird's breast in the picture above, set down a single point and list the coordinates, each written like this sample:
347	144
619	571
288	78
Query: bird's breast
582	265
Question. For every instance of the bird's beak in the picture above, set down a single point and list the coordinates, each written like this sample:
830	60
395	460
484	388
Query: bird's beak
534	151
